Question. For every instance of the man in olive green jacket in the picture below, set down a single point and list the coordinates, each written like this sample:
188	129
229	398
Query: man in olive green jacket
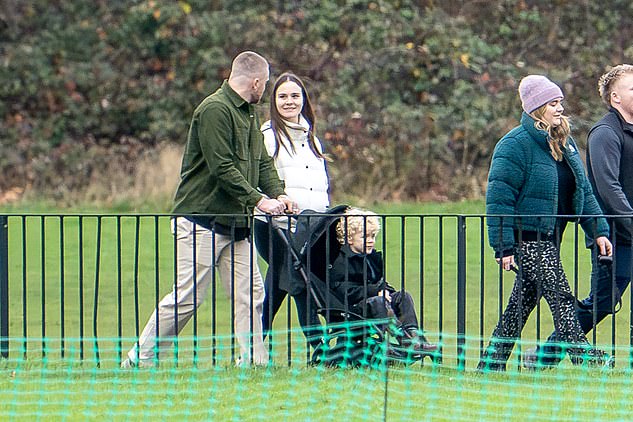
224	164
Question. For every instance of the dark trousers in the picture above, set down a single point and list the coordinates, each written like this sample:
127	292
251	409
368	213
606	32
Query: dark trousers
274	295
606	285
401	304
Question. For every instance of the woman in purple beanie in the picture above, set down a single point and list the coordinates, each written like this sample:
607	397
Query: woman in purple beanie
536	174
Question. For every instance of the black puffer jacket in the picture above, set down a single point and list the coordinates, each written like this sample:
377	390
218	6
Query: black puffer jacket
355	277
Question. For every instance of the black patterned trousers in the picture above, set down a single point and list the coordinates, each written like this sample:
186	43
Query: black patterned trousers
541	275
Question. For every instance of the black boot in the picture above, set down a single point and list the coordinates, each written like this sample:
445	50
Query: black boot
416	341
490	361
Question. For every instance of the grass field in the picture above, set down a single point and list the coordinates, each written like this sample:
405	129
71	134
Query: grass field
58	392
68	329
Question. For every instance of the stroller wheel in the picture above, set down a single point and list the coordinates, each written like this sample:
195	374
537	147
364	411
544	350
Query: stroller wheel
345	352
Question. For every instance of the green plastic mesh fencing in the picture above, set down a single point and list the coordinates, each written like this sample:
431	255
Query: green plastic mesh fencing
80	290
198	380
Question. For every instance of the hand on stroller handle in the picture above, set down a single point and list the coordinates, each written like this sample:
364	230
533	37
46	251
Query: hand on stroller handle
291	206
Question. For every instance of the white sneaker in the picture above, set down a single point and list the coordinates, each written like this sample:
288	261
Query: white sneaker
243	363
609	363
530	360
143	363
127	364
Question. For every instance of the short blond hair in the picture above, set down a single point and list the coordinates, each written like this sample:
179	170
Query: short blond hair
356	220
249	64
606	81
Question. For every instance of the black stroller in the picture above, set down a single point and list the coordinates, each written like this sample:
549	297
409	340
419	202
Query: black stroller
347	338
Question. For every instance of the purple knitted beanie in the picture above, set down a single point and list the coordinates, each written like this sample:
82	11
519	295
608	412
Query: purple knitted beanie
536	91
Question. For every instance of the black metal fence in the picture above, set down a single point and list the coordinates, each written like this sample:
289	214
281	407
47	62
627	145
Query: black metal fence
81	287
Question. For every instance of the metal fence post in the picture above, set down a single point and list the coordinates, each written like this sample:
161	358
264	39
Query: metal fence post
461	292
4	287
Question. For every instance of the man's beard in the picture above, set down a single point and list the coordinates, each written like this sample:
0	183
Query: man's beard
255	98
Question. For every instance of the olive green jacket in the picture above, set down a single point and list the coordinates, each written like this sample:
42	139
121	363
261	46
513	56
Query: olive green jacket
225	161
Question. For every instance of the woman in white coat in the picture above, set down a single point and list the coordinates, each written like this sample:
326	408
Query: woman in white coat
299	159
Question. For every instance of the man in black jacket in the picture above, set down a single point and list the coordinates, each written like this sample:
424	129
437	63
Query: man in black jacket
610	171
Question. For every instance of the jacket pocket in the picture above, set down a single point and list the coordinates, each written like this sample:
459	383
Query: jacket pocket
241	144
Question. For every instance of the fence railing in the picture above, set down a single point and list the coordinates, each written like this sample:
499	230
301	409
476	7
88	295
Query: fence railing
83	286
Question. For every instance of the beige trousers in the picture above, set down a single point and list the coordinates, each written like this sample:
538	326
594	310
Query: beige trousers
206	259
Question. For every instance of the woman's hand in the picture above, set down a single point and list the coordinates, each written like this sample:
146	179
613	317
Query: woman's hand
507	262
604	246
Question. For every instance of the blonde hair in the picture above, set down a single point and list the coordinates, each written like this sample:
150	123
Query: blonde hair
558	135
606	81
354	221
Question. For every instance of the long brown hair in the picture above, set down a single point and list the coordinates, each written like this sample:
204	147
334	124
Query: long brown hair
277	122
558	135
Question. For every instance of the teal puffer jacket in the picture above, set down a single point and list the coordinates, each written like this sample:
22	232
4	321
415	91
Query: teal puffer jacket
523	181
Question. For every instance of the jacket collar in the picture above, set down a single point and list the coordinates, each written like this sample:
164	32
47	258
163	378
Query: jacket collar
233	96
303	124
539	135
628	127
349	253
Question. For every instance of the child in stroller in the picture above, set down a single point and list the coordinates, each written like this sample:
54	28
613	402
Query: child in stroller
352	335
357	276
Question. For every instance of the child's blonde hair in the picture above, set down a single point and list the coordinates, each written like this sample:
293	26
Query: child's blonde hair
354	221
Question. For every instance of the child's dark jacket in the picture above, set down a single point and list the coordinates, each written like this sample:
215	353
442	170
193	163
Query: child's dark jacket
351	272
